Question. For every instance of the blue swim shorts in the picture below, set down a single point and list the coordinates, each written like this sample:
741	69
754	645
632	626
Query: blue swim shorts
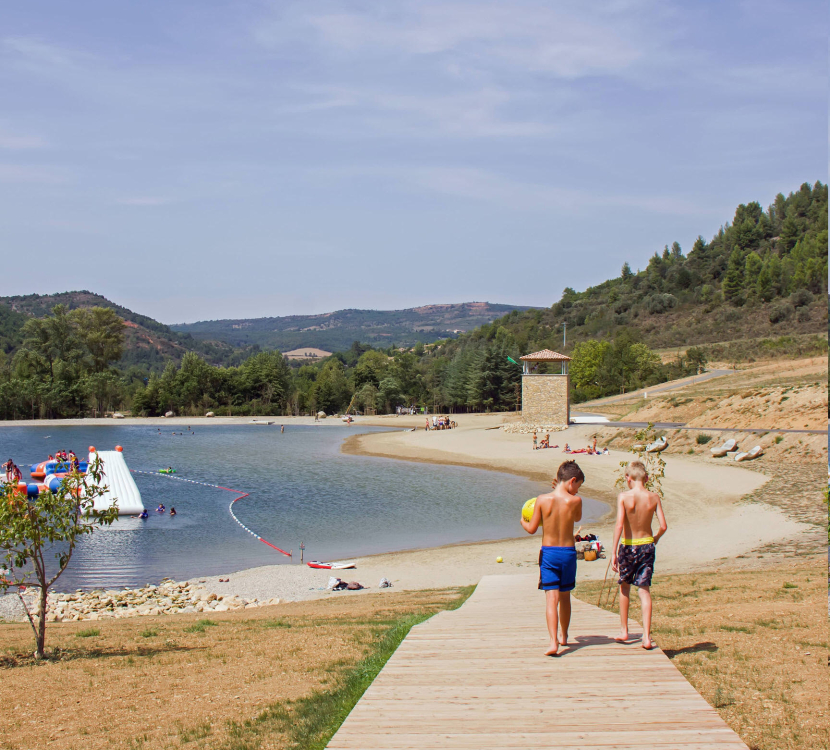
557	568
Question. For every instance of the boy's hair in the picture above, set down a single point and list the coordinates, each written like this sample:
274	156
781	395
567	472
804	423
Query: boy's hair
636	471
569	470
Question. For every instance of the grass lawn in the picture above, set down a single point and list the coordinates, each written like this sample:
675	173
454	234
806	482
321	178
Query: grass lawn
274	677
753	643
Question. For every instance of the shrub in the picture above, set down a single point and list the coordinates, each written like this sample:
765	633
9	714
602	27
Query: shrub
800	298
657	304
703	439
780	312
88	633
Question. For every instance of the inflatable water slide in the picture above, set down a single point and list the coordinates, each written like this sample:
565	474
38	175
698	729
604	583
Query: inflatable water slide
120	485
119	482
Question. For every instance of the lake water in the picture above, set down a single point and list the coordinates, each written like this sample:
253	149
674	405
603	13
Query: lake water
302	489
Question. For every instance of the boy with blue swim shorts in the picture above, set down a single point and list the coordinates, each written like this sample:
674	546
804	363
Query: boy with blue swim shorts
557	512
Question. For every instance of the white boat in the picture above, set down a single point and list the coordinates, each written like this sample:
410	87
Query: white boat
728	447
261	421
331	565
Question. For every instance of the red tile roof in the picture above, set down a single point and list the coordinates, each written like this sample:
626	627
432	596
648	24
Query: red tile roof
546	355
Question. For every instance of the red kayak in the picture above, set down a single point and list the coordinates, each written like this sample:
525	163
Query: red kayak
330	566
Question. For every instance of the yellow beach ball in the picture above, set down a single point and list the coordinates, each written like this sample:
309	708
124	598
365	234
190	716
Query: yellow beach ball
499	559
527	510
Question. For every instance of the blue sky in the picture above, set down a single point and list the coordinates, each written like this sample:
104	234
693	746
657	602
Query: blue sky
196	160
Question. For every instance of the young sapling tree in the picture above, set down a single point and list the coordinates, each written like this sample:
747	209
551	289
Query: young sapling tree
39	534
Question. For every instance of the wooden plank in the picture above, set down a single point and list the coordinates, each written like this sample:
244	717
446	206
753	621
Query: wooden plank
476	678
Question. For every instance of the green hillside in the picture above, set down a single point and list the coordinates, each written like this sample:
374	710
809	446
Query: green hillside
336	331
763	274
148	344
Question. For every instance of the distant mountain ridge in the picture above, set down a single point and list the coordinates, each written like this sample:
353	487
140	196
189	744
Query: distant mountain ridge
335	331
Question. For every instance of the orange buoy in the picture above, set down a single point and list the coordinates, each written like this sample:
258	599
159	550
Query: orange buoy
92	449
119	448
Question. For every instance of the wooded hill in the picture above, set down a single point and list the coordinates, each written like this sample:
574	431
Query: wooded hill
335	331
763	274
148	344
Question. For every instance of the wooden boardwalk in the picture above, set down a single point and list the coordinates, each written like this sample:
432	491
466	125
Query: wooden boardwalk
477	679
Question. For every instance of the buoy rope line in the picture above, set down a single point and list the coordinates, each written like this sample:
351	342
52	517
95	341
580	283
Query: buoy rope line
230	507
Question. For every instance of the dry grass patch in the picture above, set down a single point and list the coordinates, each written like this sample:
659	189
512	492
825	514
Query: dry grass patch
239	681
753	643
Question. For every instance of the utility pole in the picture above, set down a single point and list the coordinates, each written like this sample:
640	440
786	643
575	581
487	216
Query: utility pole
302	549
565	335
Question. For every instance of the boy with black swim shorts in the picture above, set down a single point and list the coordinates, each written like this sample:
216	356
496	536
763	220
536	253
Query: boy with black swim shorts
633	555
557	512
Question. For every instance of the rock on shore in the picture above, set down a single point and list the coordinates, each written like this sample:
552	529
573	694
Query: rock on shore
168	598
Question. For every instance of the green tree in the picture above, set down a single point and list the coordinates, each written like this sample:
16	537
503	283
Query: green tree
101	332
733	282
752	270
371	368
389	394
35	530
331	389
586	360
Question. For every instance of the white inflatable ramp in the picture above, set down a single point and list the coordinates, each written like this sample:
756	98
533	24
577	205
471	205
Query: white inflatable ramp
119	483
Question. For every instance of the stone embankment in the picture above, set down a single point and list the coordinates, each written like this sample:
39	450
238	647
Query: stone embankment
168	598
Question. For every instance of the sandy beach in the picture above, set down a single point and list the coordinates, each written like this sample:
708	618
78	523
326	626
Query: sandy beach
708	523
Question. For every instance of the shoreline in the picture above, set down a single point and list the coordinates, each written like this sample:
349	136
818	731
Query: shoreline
704	533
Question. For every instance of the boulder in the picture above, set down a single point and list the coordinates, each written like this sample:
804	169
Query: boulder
210	414
169	414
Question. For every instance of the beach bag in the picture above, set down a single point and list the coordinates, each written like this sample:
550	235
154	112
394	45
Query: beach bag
590	555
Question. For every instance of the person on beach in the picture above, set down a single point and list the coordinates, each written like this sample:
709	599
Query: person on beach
633	555
535	440
557	512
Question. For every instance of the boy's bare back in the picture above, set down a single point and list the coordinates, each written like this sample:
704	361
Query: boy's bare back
639	505
559	511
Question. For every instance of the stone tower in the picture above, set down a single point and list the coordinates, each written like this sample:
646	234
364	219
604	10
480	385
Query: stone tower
545	398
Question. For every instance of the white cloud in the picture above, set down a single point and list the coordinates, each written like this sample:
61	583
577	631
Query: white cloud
487	186
475	113
144	200
33	174
565	39
13	141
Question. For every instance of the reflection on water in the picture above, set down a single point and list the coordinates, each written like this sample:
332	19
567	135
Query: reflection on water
302	489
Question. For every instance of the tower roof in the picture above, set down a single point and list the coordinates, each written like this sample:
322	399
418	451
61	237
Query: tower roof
546	355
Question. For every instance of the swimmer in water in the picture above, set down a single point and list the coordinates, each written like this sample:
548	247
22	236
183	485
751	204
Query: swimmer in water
160	509
172	511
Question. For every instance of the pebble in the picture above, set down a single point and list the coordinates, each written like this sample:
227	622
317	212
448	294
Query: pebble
167	598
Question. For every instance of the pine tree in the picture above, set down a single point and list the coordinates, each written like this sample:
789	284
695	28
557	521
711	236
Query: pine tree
733	282
763	284
752	270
